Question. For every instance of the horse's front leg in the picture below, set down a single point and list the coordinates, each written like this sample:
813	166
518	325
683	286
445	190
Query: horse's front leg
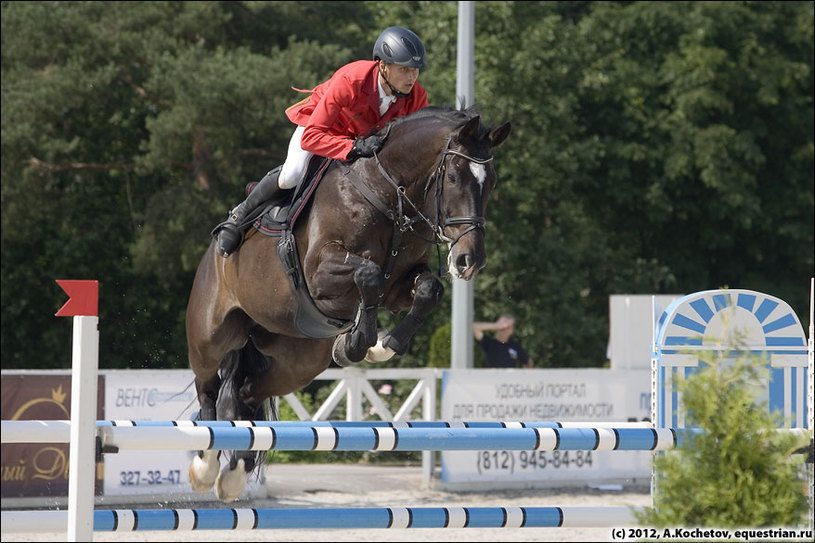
350	347
426	293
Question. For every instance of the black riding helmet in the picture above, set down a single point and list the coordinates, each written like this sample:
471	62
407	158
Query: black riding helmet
397	45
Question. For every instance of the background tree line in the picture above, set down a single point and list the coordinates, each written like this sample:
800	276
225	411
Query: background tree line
657	148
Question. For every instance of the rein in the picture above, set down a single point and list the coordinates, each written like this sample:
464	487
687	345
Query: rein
403	223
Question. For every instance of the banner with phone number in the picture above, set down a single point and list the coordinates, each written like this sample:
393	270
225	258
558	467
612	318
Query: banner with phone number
151	395
557	395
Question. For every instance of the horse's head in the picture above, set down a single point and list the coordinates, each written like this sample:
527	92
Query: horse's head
439	160
466	178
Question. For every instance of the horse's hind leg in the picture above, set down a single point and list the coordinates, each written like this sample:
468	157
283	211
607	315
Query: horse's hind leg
233	477
205	465
240	368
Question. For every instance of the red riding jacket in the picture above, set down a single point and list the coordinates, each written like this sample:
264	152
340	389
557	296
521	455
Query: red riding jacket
346	107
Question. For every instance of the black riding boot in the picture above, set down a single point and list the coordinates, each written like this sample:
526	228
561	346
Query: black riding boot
229	234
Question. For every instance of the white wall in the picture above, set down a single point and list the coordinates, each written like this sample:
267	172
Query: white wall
631	322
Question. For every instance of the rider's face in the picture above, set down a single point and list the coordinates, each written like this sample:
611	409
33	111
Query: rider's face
401	77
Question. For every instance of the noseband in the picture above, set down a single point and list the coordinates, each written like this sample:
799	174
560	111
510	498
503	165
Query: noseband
437	177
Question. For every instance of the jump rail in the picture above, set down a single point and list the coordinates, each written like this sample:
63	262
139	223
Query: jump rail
130	520
58	431
275	436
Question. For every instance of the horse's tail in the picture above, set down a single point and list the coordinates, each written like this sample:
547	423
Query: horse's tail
238	367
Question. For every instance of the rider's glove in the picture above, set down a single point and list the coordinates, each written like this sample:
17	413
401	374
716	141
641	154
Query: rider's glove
365	147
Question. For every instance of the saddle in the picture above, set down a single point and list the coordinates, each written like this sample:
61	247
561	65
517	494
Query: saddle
279	214
277	219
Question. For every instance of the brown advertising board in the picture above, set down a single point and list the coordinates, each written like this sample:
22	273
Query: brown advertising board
39	469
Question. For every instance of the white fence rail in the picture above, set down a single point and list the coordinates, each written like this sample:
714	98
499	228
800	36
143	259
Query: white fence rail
355	385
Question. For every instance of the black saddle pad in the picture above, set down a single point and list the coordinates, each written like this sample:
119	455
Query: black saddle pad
279	215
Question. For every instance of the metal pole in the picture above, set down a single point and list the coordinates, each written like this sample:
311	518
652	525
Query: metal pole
461	348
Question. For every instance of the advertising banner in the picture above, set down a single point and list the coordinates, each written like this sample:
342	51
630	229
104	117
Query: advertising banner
556	395
148	395
38	469
152	395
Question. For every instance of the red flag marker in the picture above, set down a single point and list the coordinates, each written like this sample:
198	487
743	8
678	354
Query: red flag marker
83	298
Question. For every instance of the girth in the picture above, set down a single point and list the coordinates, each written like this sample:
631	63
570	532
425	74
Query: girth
278	220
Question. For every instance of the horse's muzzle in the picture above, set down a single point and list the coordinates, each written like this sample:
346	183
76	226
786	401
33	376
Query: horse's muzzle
464	267
468	255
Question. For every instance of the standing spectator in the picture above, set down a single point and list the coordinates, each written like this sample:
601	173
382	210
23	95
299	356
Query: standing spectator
501	351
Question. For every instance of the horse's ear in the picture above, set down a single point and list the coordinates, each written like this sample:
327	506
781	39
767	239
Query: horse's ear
470	130
498	135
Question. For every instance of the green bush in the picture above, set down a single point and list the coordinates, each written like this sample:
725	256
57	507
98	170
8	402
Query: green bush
439	353
738	471
440	341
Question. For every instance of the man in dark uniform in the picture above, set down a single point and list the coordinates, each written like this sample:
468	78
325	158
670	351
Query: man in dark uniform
501	351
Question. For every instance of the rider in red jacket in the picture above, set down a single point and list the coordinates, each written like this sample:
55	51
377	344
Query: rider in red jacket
360	98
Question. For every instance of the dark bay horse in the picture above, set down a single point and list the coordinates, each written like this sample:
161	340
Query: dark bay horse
364	245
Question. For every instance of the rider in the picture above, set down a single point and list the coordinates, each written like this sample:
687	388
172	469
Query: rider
332	121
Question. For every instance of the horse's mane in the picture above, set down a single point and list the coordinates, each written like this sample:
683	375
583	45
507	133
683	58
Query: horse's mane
445	114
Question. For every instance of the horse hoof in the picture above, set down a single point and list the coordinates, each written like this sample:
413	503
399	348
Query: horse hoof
380	353
203	473
231	483
338	353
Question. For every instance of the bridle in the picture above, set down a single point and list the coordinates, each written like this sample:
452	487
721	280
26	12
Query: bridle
438	178
403	223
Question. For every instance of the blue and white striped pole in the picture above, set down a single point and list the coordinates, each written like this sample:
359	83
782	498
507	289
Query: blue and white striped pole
306	438
222	435
130	520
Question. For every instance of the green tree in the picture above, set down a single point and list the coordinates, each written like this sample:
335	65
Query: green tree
128	130
657	147
738	471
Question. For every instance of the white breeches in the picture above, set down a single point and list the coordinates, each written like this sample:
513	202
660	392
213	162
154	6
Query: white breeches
296	162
